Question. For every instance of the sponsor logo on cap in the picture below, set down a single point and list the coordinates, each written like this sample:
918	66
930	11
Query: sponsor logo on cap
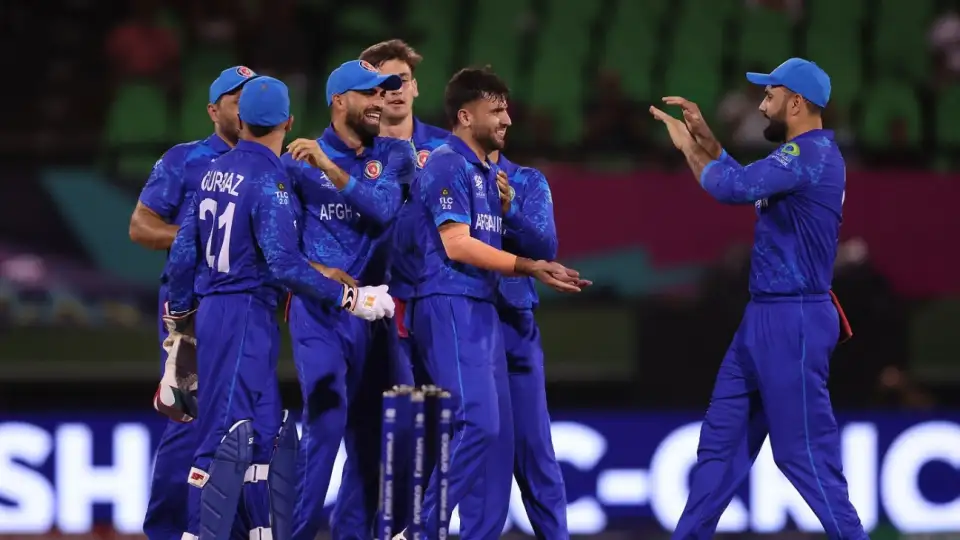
368	66
245	72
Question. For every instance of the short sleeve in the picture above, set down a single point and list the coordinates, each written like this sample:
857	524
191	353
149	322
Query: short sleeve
163	192
445	192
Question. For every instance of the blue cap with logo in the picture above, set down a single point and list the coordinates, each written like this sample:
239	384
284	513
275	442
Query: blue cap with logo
359	75
229	80
798	75
265	102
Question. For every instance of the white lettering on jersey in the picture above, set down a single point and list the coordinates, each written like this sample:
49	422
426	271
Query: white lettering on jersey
486	222
223	182
341	211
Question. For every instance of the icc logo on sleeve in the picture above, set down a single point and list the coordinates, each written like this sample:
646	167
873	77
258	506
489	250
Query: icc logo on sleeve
373	169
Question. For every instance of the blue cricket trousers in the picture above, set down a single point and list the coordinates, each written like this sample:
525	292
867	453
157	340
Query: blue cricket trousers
238	343
534	462
773	380
461	346
342	363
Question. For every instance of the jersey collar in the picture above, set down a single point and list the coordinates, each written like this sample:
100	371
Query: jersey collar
257	148
506	165
331	138
418	129
218	145
828	133
461	148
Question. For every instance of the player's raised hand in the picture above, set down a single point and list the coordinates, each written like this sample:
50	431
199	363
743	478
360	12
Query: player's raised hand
678	131
335	274
696	124
308	150
506	192
368	303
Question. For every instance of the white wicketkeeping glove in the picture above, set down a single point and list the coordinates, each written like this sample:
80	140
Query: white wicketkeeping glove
368	303
176	396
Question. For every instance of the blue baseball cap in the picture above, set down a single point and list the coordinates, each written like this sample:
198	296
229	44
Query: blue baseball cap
800	76
229	80
265	102
359	75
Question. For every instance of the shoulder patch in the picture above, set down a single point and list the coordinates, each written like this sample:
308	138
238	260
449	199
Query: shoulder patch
422	158
373	169
791	149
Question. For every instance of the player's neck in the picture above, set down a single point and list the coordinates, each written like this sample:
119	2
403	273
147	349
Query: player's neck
399	129
804	126
219	133
494	157
273	141
472	144
349	137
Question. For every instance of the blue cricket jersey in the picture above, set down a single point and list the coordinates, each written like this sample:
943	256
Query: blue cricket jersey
455	186
426	139
798	191
529	230
350	229
242	226
176	176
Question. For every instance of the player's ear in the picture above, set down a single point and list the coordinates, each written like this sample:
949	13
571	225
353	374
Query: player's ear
414	90
288	126
212	112
463	117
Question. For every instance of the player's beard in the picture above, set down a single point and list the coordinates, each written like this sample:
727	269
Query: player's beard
776	131
365	130
230	130
488	140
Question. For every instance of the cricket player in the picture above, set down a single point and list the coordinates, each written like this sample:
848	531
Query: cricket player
154	223
530	232
459	224
396	57
773	379
348	183
242	225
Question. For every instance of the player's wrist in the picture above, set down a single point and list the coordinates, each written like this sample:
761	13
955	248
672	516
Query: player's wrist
349	298
524	266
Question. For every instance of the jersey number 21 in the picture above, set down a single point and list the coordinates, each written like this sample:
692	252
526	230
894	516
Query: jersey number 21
220	262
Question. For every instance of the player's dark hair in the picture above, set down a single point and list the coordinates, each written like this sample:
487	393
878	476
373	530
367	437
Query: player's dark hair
469	85
393	49
260	131
812	107
233	92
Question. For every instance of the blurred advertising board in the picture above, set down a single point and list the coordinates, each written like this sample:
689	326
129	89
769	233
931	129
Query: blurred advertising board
900	215
624	470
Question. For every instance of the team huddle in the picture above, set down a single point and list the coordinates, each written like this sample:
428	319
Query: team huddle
406	255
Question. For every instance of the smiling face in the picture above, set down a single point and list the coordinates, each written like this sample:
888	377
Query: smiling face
363	110
488	120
